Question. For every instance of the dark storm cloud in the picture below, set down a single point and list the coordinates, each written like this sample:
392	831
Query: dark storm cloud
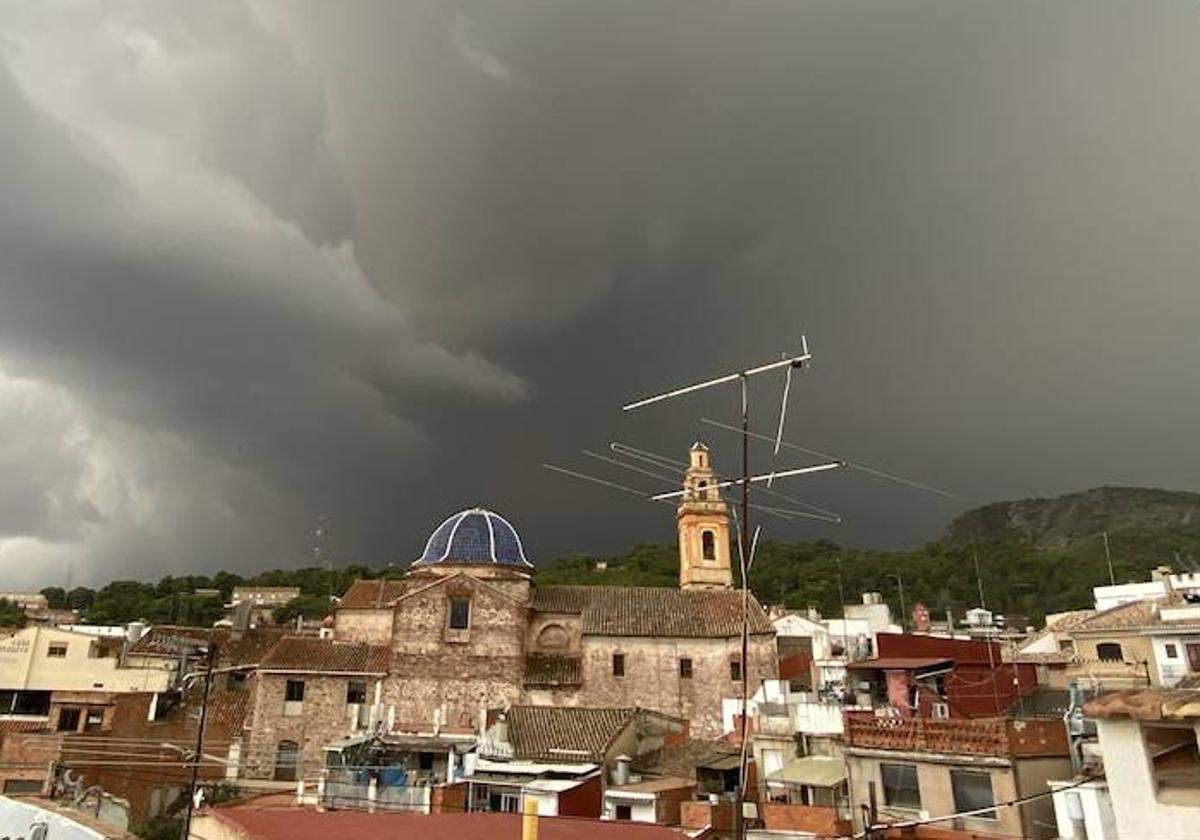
981	215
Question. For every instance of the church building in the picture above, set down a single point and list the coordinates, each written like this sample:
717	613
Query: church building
469	629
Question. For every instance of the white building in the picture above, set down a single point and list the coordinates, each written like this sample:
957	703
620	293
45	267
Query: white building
1148	739
1162	582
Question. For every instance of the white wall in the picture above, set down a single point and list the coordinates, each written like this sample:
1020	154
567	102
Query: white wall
16	819
1171	669
1131	786
1096	804
641	807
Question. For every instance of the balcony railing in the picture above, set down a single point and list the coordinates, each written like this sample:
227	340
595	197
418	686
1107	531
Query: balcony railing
977	736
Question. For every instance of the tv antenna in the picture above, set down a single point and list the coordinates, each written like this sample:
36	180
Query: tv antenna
742	377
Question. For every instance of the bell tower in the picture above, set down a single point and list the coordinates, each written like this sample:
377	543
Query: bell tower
703	521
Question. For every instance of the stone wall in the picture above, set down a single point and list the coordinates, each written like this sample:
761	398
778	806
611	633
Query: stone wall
323	717
374	627
459	673
652	678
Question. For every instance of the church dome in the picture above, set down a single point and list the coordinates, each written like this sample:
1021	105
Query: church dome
475	536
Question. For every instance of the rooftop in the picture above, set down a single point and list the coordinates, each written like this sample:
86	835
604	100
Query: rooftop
683	758
371	594
563	732
550	670
268	823
653	611
1147	704
902	663
305	654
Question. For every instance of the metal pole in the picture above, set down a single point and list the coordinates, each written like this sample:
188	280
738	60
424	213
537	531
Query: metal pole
1112	579
739	816
903	606
186	827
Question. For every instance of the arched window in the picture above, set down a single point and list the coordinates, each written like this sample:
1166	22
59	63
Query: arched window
708	545
703	487
287	757
1109	652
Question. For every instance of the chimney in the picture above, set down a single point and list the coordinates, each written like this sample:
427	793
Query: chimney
134	630
620	774
871	598
1161	573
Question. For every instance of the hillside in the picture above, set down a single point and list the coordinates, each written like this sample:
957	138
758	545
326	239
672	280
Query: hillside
1056	523
1035	557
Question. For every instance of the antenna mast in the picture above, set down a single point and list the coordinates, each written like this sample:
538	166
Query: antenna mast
743	378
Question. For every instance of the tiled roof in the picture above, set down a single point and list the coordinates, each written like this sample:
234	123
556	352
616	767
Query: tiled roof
230	708
565	733
290	823
1147	704
653	611
1128	616
325	656
683	758
166	639
371	594
249	647
552	670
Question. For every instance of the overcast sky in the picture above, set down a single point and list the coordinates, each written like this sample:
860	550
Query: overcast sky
263	263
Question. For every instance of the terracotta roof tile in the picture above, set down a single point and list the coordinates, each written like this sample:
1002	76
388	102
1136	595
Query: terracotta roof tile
290	823
546	732
1147	704
543	670
1128	616
653	611
371	594
325	656
167	639
249	647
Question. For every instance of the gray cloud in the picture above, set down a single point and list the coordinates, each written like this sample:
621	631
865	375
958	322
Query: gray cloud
376	261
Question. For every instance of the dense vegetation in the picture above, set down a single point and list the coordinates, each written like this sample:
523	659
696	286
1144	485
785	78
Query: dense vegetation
1017	578
1034	556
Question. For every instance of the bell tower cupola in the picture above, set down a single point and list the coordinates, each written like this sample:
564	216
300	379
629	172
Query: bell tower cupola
703	521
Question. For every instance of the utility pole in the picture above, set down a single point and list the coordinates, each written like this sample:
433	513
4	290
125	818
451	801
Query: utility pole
185	827
903	605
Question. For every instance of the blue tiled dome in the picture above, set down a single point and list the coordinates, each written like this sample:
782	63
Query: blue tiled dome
474	536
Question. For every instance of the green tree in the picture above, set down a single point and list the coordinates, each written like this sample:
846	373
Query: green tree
306	606
56	597
11	615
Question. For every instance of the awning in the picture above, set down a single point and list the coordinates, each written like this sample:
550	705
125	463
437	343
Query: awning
813	770
725	762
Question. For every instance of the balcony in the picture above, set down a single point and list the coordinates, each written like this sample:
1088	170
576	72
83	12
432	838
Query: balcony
978	736
827	822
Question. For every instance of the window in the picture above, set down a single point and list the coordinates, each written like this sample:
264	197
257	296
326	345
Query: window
68	720
1109	652
425	761
460	614
294	692
57	650
708	543
356	691
685	668
972	790
287	757
95	720
1172	652
618	664
624	812
23	786
900	788
735	670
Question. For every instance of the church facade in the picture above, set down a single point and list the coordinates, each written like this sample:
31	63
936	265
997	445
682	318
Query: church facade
469	629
